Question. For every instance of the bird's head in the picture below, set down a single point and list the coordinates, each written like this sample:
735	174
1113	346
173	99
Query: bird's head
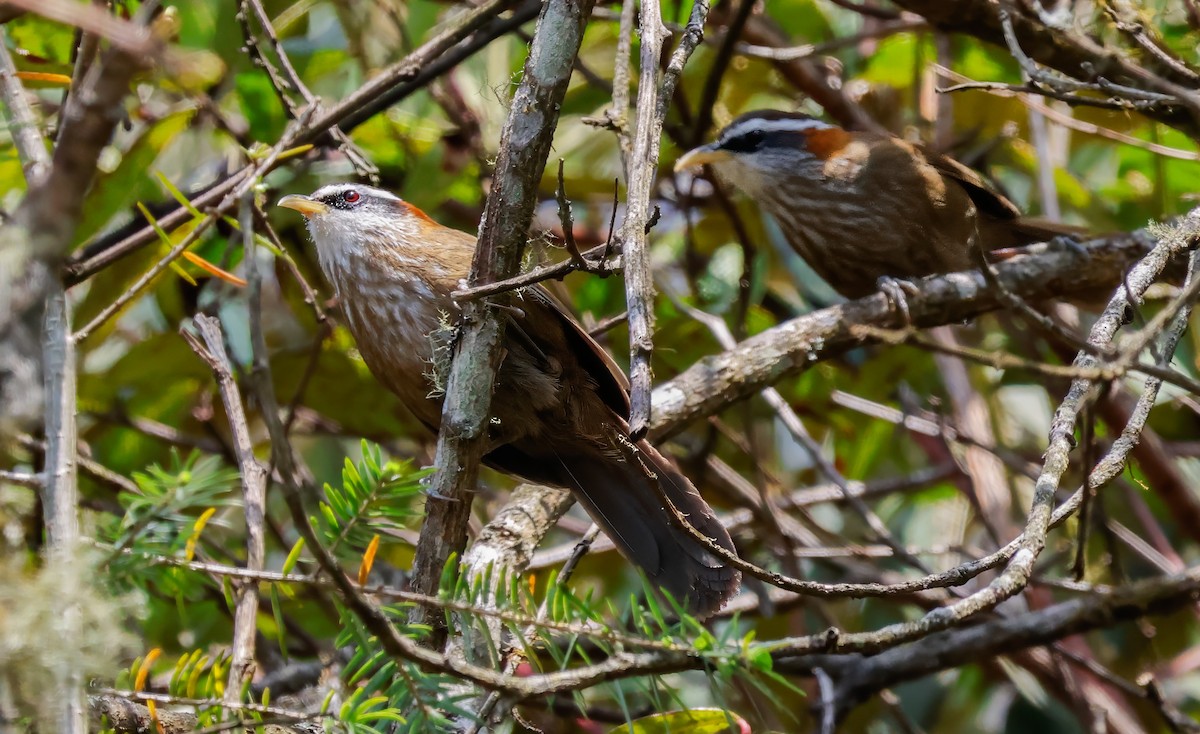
760	149
345	217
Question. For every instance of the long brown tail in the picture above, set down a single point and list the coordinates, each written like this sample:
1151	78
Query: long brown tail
620	497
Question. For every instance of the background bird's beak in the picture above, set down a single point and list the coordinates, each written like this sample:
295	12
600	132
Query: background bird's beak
303	204
700	156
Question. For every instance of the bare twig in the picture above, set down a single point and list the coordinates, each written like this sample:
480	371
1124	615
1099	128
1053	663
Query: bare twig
577	261
23	124
617	115
642	166
654	96
596	260
1174	718
254	489
60	495
22	479
286	79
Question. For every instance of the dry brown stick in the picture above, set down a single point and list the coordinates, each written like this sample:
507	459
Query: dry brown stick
254	490
594	260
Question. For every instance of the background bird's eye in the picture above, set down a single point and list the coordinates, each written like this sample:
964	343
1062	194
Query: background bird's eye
351	197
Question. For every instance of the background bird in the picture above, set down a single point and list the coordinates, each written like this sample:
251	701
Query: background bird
559	403
861	206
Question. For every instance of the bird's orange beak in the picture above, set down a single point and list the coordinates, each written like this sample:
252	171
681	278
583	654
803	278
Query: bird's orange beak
703	155
303	204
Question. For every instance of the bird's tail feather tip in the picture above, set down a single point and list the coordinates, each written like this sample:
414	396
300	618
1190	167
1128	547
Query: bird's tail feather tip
712	590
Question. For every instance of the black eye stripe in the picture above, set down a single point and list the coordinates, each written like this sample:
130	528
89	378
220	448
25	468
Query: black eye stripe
757	139
344	200
746	142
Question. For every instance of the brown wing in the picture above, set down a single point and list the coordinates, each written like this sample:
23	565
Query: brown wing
611	383
987	200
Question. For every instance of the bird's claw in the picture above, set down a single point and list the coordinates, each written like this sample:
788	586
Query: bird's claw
895	290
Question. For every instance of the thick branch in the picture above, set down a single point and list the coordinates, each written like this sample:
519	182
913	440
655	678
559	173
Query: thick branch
723	379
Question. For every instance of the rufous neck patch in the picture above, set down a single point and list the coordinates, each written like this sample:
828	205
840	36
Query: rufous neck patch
415	212
826	142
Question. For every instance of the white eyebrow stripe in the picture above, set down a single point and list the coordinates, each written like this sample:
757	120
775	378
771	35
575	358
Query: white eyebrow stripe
765	125
330	189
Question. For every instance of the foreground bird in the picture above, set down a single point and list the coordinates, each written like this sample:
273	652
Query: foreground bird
859	206
559	403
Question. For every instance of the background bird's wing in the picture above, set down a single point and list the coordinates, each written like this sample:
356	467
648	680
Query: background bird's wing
987	199
1007	227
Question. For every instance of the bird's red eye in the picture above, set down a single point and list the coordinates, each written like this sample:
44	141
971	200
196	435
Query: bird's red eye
351	197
